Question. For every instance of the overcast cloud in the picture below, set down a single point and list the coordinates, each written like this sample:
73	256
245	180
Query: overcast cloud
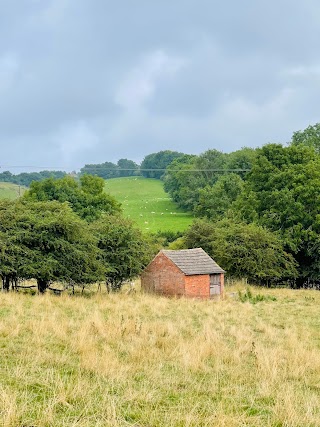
89	81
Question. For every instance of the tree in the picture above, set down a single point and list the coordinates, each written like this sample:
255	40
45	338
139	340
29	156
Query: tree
103	170
241	159
127	168
7	176
214	201
282	193
48	242
185	177
309	137
87	198
160	160
178	180
15	256
125	251
243	250
25	178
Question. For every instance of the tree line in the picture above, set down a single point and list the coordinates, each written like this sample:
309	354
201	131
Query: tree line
263	222
257	213
152	166
25	178
72	232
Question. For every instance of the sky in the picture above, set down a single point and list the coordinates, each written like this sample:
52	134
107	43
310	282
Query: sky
90	81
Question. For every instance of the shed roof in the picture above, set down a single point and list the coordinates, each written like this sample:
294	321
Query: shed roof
193	261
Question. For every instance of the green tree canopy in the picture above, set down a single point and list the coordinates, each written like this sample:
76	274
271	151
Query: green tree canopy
309	137
178	180
104	170
185	177
25	178
159	160
216	200
125	251
87	198
108	170
243	250
48	242
282	193
241	159
127	167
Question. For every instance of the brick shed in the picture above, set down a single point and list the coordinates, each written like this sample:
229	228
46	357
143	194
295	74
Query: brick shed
187	272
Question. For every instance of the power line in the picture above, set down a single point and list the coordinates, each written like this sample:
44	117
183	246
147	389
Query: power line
192	170
30	167
117	169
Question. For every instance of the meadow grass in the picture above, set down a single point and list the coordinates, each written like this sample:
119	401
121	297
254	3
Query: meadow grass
147	361
145	202
10	191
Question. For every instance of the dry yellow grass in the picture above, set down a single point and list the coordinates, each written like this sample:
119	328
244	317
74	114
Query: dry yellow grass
137	360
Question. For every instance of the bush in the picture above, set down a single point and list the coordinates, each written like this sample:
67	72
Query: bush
248	296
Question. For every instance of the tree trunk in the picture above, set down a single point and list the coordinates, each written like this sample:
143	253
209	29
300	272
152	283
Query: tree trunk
14	283
42	285
6	283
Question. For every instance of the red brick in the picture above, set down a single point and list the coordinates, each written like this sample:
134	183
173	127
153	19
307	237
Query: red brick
163	277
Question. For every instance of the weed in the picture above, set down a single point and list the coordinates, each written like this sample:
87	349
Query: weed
247	296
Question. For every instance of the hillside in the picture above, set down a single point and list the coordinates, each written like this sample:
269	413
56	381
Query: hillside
146	203
143	200
136	360
10	191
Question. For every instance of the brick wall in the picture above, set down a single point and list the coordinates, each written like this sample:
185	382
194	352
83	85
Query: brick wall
163	277
197	286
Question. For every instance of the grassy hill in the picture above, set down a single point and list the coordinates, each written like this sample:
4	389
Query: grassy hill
145	201
10	191
137	360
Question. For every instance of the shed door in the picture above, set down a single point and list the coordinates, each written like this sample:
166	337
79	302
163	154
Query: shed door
215	284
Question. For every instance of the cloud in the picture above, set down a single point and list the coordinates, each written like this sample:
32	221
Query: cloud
141	81
74	139
84	82
9	68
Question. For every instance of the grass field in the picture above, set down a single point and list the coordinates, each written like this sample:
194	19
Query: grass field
144	361
146	203
10	191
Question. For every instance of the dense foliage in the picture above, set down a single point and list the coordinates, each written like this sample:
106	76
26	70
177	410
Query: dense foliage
46	241
244	250
160	160
123	248
26	178
187	176
272	209
69	231
309	137
282	192
86	197
106	170
258	210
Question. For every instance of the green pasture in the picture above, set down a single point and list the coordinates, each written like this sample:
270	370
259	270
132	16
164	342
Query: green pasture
145	202
10	191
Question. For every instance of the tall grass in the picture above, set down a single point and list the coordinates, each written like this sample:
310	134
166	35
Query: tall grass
139	360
